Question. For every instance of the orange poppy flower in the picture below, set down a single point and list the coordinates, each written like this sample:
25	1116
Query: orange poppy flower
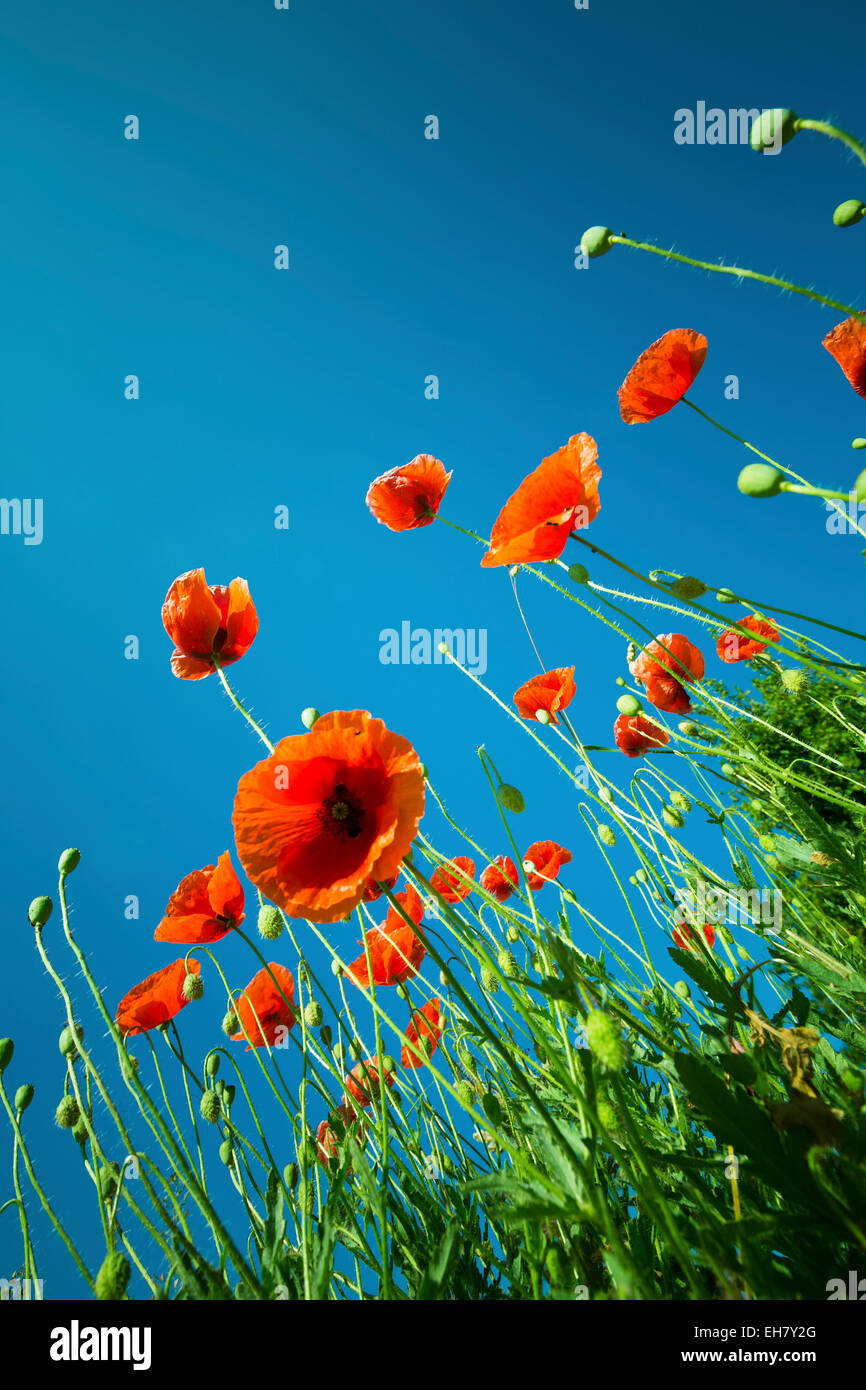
548	858
157	999
362	1086
666	693
327	812
731	646
553	691
452	886
500	878
374	890
684	937
426	1030
662	375
409	496
559	497
847	343
264	1014
396	951
635	734
204	907
207	622
330	1132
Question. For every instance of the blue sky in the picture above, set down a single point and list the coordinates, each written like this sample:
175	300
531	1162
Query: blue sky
261	388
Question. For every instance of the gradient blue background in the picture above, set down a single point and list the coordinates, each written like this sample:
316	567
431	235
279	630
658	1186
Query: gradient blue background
261	388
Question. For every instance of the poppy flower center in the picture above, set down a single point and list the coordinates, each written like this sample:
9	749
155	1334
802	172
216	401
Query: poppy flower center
342	813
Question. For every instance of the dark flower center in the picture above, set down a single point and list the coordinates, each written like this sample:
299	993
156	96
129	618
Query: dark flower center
342	813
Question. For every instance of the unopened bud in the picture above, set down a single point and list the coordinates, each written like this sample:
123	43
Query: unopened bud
508	965
309	716
68	861
760	480
113	1277
578	573
681	801
672	817
605	1039
67	1112
23	1097
39	911
596	241
489	981
629	705
313	1014
688	587
849	212
772	130
210	1107
543	716
270	923
606	835
7	1047
193	987
510	798
726	596
231	1023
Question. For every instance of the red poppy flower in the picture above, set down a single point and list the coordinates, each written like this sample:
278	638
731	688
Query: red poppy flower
670	652
204	907
559	497
684	936
330	1132
157	999
452	886
847	343
374	890
207	622
396	951
548	858
662	375
666	693
424	1032
264	1014
327	812
634	735
362	1086
409	496
500	878
732	647
553	691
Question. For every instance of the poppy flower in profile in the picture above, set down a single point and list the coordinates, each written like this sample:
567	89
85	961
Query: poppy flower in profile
450	885
635	734
666	666
552	691
396	951
409	496
685	939
662	375
374	890
500	878
332	1130
265	1010
559	497
328	811
547	858
209	624
731	646
847	344
423	1034
204	907
157	999
362	1085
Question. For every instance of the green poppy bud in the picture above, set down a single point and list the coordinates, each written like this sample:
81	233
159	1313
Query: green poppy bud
79	1131
556	1266
596	241
681	801
7	1047
291	1173
465	1093
605	1039
107	1179
39	911
726	935
193	987
605	794
326	1035
629	705
231	1024
578	573
210	1107
727	769
229	1096
212	1065
688	587
489	981
794	681
113	1278
270	923
511	798
313	1014
860	484
682	989
619	681
67	1112
760	480
607	1116
309	717
852	1080
68	861
355	1050
512	934
631	652
508	965
726	596
336	968
773	129
858	443
23	1097
672	817
543	716
641	875
401	992
606	835
767	842
688	727
849	212
491	1107
444	979
227	1152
